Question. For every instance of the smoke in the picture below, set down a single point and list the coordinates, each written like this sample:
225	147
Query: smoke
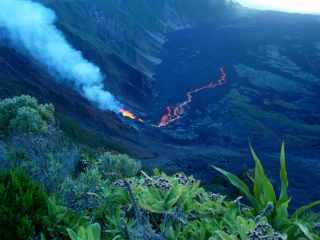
294	6
30	26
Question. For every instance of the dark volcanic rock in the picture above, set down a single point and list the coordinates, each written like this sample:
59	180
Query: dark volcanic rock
271	60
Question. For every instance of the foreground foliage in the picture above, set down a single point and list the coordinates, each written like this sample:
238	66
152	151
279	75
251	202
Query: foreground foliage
22	205
265	202
91	232
86	194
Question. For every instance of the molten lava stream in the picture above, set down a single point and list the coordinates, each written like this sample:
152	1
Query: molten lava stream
175	113
125	113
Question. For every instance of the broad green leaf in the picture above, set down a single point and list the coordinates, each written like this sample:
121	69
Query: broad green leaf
42	237
173	196
282	217
225	236
283	176
244	226
82	233
51	207
72	234
268	193
291	231
238	183
170	233
263	189
94	232
258	175
303	209
305	230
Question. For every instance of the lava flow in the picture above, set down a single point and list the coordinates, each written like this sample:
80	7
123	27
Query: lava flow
125	113
175	113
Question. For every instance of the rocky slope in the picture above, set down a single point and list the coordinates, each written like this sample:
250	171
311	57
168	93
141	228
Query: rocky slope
271	63
154	51
124	38
129	32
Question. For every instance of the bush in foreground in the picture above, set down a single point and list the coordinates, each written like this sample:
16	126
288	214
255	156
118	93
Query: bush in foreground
22	206
25	114
156	207
110	198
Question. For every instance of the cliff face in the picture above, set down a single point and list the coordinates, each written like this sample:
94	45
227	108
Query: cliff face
128	33
271	62
124	38
270	96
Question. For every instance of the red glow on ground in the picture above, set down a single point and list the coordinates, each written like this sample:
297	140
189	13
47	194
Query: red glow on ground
175	113
125	113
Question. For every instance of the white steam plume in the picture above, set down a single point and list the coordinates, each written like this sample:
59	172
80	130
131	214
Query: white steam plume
30	25
294	6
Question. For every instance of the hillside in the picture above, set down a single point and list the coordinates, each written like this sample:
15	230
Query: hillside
122	39
52	187
158	120
151	60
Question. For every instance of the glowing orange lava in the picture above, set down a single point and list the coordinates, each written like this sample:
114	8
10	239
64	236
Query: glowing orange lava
175	113
125	113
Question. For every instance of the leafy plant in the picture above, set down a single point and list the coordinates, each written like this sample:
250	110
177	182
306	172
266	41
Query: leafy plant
157	201
23	205
118	165
60	218
91	232
83	192
265	202
180	209
161	194
111	213
48	158
25	114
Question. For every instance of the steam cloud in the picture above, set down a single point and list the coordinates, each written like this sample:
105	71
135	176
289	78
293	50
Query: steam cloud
295	6
30	25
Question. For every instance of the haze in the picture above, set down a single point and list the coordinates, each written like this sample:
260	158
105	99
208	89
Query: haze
295	6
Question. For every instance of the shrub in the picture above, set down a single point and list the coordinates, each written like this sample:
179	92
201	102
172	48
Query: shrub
47	158
266	204
59	219
83	192
112	212
22	206
25	114
118	164
175	208
34	143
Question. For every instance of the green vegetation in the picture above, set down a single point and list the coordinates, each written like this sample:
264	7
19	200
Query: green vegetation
118	164
24	114
80	134
91	232
265	202
86	194
22	205
59	219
